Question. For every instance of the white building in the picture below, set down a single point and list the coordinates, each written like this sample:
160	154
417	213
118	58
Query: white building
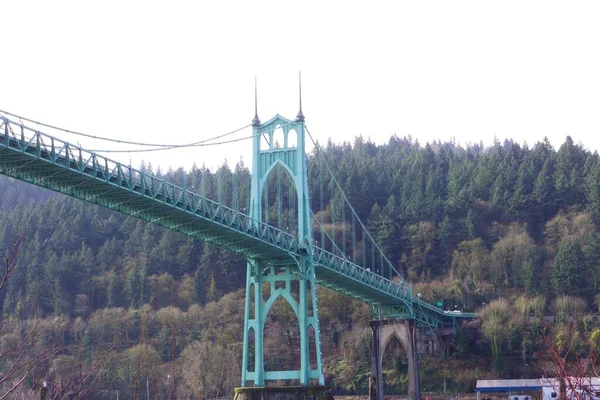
547	388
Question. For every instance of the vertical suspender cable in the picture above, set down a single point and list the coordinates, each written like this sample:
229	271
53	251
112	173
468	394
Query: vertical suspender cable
373	265
353	239
321	206
364	248
248	194
382	268
220	186
235	187
344	227
291	210
266	202
333	216
203	183
279	199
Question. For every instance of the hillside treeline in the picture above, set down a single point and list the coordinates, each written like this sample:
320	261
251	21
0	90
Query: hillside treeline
465	225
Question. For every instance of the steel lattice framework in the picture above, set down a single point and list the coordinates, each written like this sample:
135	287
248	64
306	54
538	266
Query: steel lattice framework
49	162
46	161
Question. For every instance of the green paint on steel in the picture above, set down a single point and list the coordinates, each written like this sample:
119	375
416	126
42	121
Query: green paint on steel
46	161
293	161
49	162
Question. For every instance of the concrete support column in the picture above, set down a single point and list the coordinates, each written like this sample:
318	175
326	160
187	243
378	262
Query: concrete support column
414	387
376	359
406	332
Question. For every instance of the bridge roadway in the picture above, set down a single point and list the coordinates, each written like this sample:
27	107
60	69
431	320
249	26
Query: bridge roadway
49	162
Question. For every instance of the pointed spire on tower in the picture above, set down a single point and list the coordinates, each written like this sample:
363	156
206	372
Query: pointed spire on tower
300	116
255	121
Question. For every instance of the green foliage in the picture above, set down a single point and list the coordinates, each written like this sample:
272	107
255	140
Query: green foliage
470	263
209	371
498	324
515	259
426	206
568	273
467	224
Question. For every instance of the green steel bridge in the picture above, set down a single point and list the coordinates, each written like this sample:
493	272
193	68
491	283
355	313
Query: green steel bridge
273	254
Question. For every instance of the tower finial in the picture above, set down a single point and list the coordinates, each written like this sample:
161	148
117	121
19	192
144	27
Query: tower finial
255	121
300	116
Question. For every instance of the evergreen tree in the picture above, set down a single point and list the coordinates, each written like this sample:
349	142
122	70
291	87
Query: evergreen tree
543	186
471	225
212	289
446	239
199	286
133	287
592	190
568	272
113	290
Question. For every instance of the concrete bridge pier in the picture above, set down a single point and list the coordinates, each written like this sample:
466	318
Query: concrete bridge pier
405	331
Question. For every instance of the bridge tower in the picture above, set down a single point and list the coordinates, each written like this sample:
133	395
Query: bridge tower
266	281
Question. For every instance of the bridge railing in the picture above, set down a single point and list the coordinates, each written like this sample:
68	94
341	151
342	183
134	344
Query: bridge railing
55	151
339	228
44	153
401	289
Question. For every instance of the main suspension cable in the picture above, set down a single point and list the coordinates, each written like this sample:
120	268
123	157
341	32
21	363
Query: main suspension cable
198	144
318	151
202	143
171	146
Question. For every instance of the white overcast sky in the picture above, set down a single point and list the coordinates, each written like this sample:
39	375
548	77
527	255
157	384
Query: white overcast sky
183	71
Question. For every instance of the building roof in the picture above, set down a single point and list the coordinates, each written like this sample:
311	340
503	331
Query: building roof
508	385
523	385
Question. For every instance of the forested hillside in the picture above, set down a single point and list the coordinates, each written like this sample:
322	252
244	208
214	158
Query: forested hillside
465	225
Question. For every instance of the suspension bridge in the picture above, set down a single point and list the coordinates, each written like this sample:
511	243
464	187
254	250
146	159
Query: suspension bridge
288	254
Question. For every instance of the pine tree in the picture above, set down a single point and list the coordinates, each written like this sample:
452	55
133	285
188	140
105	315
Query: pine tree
199	286
592	190
568	271
132	287
471	225
446	238
212	289
144	295
544	186
113	290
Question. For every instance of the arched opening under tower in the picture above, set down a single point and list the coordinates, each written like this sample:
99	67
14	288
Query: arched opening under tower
282	339
279	201
394	367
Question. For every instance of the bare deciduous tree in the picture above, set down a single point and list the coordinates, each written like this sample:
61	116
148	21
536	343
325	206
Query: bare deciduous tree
208	369
26	364
20	358
572	359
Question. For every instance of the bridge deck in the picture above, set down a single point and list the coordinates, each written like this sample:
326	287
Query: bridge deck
57	165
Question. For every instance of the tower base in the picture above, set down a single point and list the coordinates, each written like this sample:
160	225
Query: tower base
282	393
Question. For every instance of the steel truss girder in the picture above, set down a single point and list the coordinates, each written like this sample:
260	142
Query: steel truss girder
43	160
65	168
